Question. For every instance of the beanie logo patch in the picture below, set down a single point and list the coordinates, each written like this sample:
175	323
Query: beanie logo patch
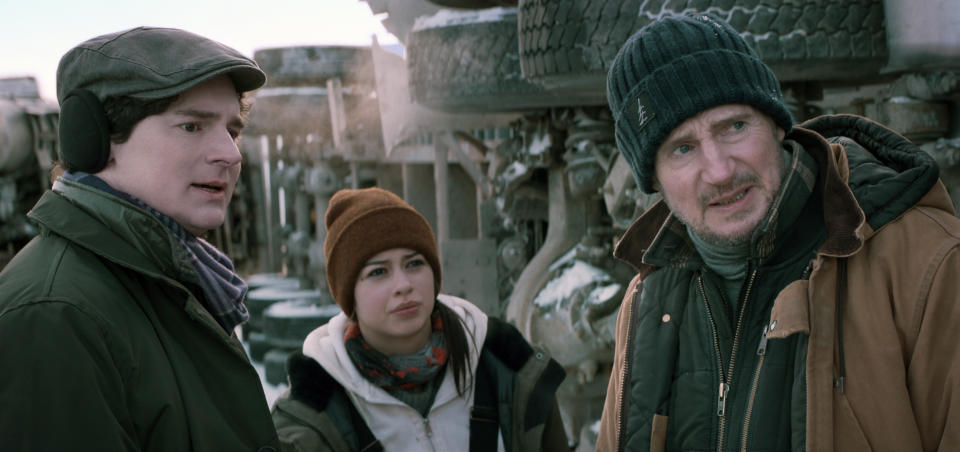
644	112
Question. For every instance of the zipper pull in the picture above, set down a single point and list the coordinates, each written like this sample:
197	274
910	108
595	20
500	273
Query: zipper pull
722	399
762	349
426	426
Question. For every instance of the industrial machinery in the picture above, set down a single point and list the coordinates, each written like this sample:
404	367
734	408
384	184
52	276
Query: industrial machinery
28	148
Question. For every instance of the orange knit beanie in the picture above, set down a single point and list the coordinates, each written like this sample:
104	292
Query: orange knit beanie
361	223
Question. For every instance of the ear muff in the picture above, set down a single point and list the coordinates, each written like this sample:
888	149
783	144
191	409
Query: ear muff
84	132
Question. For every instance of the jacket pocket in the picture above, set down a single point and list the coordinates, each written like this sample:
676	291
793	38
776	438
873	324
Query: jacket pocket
658	433
848	436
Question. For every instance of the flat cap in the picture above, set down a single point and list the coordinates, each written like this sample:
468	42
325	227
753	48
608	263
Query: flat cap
151	63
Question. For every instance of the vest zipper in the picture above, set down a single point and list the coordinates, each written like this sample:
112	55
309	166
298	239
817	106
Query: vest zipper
625	371
762	353
725	379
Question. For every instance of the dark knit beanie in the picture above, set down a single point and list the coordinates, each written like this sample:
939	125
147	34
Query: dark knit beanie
362	223
675	68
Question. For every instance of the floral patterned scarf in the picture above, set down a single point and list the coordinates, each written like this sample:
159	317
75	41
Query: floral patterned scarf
398	371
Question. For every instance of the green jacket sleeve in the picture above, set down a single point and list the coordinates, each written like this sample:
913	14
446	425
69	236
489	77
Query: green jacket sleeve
303	429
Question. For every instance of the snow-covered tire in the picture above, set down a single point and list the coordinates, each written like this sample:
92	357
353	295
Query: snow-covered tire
473	4
468	61
275	365
259	346
260	299
290	110
313	65
568	45
276	280
287	323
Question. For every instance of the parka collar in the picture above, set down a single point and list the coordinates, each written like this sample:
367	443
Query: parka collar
129	236
844	220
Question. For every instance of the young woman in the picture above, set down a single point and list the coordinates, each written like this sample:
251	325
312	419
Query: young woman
404	367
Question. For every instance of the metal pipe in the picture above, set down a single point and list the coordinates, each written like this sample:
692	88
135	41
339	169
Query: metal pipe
405	177
338	121
441	181
16	137
567	225
273	201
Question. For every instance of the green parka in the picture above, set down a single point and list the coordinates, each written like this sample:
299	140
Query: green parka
859	350
105	347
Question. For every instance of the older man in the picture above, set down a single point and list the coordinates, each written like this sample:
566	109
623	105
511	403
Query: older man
797	287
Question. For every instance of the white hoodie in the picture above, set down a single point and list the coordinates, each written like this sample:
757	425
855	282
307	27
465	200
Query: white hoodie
395	424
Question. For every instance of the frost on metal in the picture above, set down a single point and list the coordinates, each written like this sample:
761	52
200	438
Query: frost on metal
573	275
449	18
301	308
282	293
19	87
514	171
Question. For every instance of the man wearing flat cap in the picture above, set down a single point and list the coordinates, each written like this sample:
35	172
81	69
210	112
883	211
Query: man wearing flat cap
797	287
117	321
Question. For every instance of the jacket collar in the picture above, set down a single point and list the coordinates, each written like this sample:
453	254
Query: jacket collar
886	172
844	219
113	228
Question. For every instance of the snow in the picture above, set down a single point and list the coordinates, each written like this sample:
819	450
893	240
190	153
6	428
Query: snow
280	293
600	294
514	171
259	280
271	392
295	91
595	427
449	18
540	143
301	308
577	274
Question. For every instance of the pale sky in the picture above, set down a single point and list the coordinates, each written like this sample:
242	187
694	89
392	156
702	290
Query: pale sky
34	34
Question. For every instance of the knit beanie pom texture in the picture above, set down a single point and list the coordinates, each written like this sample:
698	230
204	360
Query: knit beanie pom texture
361	223
675	68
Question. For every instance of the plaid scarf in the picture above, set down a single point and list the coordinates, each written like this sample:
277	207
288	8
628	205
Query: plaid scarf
398	371
223	290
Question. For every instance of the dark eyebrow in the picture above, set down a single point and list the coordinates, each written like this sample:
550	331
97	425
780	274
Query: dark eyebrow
372	263
383	262
727	120
236	122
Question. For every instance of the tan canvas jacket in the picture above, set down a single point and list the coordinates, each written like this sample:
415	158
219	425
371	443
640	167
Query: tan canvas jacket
900	322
